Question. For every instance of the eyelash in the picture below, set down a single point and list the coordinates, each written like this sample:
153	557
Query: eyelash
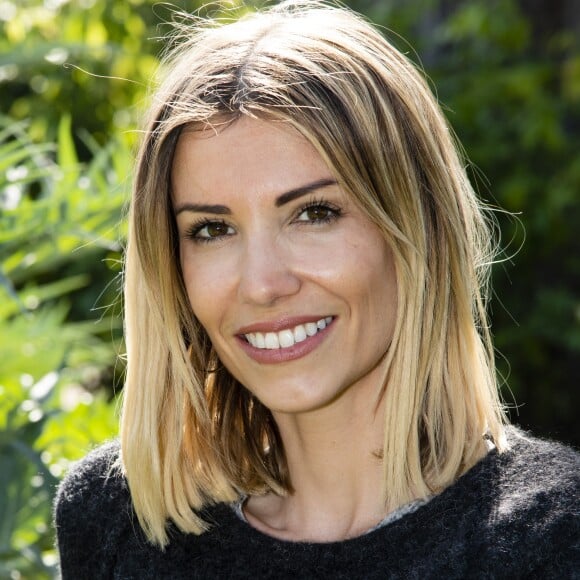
194	230
334	212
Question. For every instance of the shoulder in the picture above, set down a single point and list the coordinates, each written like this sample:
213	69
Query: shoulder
94	483
92	511
537	468
535	507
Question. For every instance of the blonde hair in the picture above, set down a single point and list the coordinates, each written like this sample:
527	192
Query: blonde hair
191	434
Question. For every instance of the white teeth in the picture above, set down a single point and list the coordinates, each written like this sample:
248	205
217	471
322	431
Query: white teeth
272	341
311	328
260	340
287	337
299	333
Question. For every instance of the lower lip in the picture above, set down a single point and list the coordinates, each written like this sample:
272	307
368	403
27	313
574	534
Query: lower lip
282	355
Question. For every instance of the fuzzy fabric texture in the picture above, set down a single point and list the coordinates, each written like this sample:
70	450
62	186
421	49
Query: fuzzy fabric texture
513	515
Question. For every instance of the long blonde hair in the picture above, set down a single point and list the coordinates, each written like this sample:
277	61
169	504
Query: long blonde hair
191	434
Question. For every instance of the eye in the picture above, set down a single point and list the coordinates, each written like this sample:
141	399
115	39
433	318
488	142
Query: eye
318	212
209	231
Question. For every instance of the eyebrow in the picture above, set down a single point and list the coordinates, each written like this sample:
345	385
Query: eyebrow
281	200
303	190
202	208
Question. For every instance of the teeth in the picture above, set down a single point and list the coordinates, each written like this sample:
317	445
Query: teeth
300	333
288	337
311	328
272	341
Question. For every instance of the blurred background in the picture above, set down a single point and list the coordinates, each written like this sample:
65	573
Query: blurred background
74	81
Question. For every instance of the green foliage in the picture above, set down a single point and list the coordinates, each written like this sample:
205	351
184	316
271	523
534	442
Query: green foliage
92	60
59	222
71	58
511	88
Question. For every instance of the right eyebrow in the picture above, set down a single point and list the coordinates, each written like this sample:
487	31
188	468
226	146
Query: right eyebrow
202	208
303	190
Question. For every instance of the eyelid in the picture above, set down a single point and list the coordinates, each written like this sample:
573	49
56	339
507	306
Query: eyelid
192	231
318	202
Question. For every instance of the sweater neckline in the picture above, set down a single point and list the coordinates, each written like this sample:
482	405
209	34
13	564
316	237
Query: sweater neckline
391	517
425	509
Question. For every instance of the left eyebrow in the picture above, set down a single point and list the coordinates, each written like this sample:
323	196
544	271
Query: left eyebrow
293	194
202	208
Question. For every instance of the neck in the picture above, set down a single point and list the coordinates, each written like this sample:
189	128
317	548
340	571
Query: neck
333	457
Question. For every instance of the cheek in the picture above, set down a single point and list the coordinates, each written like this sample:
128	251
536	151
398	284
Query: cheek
205	289
334	260
376	280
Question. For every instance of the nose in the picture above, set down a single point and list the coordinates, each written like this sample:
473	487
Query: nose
267	273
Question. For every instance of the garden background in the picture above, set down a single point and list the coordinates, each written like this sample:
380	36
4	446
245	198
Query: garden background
74	78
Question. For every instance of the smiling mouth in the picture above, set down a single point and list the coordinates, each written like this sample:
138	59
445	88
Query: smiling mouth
287	337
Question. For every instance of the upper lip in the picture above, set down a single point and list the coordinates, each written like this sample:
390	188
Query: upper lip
280	323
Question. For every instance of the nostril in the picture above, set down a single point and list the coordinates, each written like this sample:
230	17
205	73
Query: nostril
265	278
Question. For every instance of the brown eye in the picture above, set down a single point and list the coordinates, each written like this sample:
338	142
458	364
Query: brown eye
318	213
209	231
216	229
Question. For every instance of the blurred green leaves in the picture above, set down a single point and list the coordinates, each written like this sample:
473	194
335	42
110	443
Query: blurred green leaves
510	84
59	229
82	58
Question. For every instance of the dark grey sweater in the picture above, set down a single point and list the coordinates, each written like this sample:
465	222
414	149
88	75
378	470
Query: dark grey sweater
513	515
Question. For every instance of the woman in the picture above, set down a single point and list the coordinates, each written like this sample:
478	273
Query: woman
310	388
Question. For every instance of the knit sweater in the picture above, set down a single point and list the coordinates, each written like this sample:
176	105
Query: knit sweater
513	515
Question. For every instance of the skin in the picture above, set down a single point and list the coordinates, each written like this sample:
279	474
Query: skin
267	240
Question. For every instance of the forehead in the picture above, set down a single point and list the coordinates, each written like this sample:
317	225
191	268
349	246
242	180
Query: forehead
249	156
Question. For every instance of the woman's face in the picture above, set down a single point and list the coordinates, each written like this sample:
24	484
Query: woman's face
294	285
